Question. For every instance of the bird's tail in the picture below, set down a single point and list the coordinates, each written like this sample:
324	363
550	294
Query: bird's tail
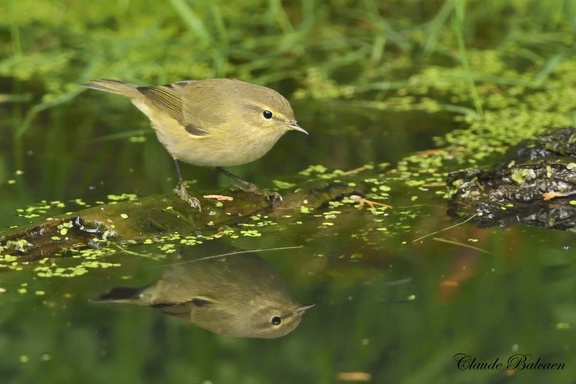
121	295
115	86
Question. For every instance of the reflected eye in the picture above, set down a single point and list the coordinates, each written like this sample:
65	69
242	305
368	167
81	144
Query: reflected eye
267	114
276	320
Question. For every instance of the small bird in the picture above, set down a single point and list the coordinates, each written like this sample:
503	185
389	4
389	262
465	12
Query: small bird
235	294
212	122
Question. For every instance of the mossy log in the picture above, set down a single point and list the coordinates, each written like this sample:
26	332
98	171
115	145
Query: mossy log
147	217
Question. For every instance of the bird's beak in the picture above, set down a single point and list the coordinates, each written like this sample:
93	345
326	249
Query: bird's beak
294	125
302	309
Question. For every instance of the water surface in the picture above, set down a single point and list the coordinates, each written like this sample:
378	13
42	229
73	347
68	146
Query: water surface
396	301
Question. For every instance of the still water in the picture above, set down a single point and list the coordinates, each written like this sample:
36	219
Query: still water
399	294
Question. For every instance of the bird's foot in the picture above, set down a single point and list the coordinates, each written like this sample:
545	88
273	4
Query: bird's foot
181	191
246	186
272	196
253	188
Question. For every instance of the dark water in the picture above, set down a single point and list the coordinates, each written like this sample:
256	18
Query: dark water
464	305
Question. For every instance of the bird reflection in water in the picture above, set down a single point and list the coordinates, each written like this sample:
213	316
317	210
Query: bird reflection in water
235	293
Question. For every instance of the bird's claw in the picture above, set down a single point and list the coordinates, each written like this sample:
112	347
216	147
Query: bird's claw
253	188
181	192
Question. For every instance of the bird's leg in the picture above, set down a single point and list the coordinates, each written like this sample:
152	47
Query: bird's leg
247	186
181	191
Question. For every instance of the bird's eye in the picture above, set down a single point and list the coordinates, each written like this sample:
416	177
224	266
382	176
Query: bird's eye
276	320
267	114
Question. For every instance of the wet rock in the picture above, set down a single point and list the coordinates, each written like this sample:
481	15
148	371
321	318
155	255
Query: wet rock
534	184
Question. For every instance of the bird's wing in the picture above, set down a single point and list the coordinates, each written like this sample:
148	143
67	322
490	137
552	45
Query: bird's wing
178	310
167	98
188	102
183	309
205	108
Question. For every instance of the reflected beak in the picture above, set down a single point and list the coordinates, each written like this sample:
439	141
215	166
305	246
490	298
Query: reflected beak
294	125
302	309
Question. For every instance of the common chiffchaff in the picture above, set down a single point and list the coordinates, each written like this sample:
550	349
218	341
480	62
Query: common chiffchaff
238	295
213	122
